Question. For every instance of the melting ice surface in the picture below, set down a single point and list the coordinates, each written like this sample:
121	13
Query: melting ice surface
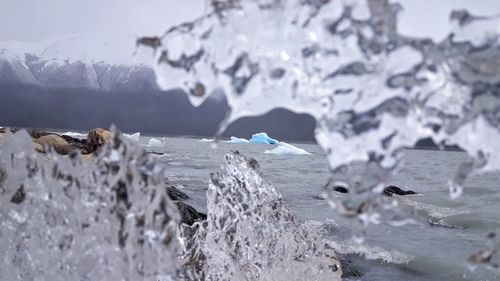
374	83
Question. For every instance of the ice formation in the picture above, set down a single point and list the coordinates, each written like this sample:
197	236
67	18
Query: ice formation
238	140
372	90
110	218
250	234
206	140
65	218
287	149
155	143
263	138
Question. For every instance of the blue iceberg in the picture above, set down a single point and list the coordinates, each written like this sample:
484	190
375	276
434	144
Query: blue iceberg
263	138
287	149
238	140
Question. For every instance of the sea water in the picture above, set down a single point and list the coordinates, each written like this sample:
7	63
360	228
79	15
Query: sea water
436	248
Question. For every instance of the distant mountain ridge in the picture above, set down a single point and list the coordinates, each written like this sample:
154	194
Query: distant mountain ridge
77	61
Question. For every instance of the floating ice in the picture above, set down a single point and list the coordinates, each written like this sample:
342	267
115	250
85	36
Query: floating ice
206	140
75	135
133	137
155	143
287	149
238	140
263	138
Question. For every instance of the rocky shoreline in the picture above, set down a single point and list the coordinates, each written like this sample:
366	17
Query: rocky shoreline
88	148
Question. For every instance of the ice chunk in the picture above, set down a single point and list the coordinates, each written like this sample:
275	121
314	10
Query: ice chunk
206	140
287	149
263	138
133	137
64	218
75	135
251	235
238	140
156	142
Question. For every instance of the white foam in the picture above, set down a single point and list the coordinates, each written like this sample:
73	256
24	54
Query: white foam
206	140
370	253
433	211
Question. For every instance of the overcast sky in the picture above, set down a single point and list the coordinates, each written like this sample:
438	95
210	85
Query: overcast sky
32	20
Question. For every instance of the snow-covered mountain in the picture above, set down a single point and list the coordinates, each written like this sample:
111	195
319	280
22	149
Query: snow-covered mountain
77	61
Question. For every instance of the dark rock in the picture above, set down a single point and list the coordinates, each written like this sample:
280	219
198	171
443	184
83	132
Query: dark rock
349	270
388	190
80	144
19	196
175	194
189	215
341	189
3	177
392	189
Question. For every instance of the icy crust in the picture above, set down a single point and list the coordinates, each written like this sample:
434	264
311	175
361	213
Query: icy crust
64	218
250	234
371	90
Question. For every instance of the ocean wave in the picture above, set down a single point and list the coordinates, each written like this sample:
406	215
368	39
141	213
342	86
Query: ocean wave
370	252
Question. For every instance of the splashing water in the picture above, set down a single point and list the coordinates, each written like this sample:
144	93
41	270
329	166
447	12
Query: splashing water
64	218
250	235
372	90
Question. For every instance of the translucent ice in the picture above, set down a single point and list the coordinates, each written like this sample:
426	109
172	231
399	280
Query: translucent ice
372	90
250	234
263	138
65	218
